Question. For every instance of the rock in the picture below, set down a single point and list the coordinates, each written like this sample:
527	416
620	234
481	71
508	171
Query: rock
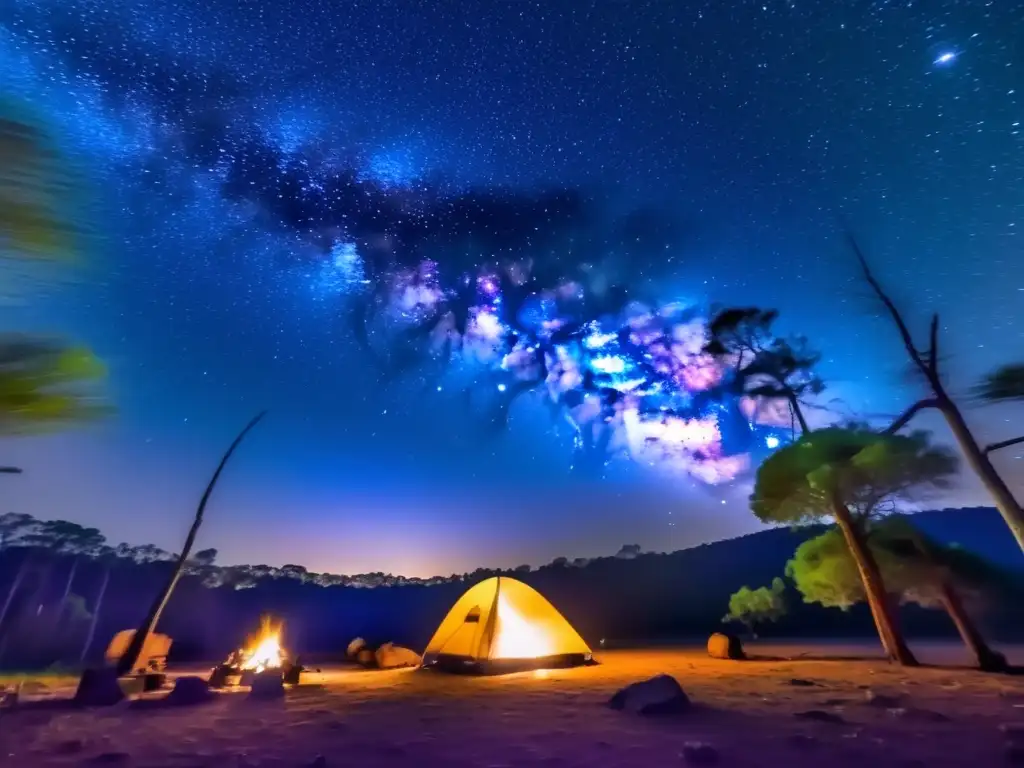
697	753
723	646
69	747
189	691
658	696
366	658
799	683
111	758
267	685
802	740
881	700
355	647
920	715
390	656
99	688
819	716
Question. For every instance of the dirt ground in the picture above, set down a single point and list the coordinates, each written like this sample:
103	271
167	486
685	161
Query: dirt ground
797	709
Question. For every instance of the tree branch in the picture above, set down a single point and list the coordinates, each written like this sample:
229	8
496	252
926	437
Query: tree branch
1002	444
911	412
894	313
933	346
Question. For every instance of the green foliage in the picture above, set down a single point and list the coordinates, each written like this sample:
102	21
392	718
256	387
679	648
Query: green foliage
912	567
34	187
45	384
1003	384
860	468
751	607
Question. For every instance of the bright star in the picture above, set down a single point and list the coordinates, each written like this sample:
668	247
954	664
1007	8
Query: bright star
771	441
945	58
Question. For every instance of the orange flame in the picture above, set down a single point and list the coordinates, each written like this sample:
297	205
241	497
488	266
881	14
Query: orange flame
264	651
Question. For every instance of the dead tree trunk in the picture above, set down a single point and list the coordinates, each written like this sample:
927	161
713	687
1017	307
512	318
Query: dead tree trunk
927	363
130	659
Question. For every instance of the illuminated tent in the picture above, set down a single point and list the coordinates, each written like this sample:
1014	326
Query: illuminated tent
501	625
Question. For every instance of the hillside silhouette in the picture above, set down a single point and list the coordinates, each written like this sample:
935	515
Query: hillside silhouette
629	598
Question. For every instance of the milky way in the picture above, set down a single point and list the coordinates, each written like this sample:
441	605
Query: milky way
420	223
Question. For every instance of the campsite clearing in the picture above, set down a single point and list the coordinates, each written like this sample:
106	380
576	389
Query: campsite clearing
754	713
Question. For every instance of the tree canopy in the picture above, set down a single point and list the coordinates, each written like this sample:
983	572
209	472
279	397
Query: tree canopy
45	384
825	573
1003	384
751	607
863	468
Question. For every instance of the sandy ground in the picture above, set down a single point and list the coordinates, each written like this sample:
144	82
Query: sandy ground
748	712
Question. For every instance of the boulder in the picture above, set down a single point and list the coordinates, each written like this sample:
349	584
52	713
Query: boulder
391	656
366	658
661	695
99	688
188	691
723	646
268	684
355	647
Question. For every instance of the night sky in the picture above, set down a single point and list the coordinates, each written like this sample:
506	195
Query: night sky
250	166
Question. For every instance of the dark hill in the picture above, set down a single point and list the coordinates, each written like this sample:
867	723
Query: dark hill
631	599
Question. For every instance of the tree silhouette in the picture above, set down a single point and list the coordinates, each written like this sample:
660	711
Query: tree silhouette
913	567
131	655
752	607
764	366
926	364
848	474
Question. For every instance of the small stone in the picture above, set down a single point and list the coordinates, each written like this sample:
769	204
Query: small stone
723	646
659	695
819	716
800	683
69	747
698	753
802	740
355	647
881	700
391	656
189	690
920	715
111	758
267	685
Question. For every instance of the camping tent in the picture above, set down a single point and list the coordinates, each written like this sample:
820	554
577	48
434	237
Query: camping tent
501	625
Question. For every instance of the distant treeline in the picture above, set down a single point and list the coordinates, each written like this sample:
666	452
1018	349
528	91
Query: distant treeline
65	592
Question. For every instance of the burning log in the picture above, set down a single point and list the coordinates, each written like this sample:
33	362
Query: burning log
262	654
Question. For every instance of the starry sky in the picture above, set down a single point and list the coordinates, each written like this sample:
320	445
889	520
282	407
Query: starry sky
254	170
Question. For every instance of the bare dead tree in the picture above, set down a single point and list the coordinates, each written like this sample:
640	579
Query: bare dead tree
926	362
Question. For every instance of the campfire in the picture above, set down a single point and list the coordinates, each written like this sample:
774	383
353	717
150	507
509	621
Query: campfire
262	654
264	651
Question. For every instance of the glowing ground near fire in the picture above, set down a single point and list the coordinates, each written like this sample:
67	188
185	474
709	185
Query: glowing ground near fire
748	712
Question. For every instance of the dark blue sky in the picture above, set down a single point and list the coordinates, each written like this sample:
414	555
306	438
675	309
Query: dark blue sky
231	148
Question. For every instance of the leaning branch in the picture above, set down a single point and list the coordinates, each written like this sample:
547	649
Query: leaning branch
897	318
933	347
1003	444
911	412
